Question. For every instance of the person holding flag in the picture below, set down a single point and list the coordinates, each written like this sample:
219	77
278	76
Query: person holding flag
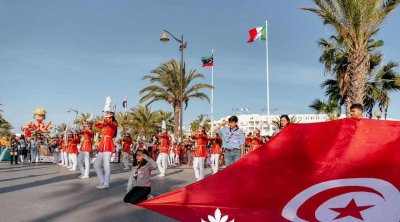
106	147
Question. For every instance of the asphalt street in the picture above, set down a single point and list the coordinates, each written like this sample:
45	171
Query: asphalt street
49	192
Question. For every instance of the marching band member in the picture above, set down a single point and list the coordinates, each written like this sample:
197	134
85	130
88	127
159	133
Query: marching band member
162	159
171	157
126	149
69	161
73	150
65	152
256	140
86	150
106	147
200	153
177	152
216	151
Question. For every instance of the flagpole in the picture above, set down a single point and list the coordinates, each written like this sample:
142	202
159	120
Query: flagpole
266	68
212	94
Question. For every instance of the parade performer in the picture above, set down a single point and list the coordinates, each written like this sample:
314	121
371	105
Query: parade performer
86	150
200	153
126	149
162	159
177	152
106	147
256	140
171	157
139	184
216	151
65	146
73	150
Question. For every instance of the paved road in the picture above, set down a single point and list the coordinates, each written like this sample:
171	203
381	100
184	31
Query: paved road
48	192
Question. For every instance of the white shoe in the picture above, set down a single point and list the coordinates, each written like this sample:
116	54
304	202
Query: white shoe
100	185
150	197
69	167
72	169
84	177
103	187
161	175
125	168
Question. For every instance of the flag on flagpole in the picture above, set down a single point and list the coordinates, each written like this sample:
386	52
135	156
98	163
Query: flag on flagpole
208	61
259	33
125	103
343	170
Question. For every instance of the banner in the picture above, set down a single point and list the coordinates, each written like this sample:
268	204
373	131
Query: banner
344	170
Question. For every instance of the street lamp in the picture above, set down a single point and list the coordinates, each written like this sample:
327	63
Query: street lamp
182	46
76	113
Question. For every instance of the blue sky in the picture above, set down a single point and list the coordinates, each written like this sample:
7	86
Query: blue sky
61	54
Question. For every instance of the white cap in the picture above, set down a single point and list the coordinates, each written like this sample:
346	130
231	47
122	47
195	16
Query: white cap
163	125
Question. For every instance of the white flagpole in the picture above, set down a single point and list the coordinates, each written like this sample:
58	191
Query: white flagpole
266	68
212	94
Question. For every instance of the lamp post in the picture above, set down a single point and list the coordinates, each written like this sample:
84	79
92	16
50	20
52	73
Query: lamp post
182	46
76	113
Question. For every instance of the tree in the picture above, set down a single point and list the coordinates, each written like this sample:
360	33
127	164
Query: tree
144	120
61	128
195	124
5	127
80	121
334	57
166	86
355	22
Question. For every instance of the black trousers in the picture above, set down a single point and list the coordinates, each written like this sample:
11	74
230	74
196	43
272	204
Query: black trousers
137	195
12	157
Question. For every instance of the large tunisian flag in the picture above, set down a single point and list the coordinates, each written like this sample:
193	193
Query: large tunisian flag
345	170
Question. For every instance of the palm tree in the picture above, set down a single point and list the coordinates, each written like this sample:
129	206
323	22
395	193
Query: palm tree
355	22
379	86
168	117
331	108
82	119
195	124
144	120
166	86
123	120
5	129
61	128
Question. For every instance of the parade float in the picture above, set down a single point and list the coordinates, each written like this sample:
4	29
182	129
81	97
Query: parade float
38	130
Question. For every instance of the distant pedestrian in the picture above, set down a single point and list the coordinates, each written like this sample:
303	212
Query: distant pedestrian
14	150
22	151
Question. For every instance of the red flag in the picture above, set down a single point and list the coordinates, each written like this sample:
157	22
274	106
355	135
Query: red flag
345	170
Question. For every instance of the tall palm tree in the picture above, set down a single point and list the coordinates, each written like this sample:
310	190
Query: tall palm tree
5	129
166	86
355	22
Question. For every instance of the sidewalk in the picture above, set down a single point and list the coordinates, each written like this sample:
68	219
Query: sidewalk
49	192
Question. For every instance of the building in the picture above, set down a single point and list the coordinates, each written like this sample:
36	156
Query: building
249	122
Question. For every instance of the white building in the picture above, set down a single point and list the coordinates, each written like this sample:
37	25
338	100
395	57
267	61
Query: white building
249	122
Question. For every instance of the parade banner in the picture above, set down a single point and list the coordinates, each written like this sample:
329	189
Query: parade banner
344	170
44	154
